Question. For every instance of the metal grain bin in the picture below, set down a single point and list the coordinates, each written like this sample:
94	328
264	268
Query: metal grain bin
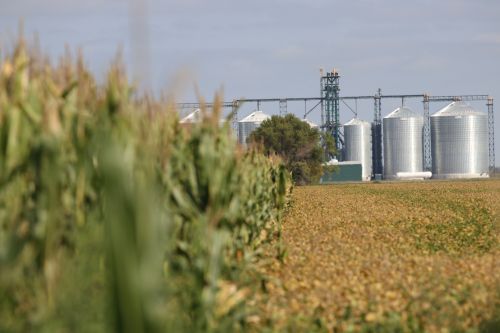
402	136
248	124
358	145
459	142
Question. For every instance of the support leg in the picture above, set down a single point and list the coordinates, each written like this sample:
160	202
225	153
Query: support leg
491	136
427	136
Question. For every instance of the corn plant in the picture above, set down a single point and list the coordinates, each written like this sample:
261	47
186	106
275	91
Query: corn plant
113	217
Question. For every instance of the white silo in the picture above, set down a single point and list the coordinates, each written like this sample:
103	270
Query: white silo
403	149
193	117
459	142
358	145
248	124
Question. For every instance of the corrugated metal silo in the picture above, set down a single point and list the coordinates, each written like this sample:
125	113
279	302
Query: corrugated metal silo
459	142
358	145
402	136
248	124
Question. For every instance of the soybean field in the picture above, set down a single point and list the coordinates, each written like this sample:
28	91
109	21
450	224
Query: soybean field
388	257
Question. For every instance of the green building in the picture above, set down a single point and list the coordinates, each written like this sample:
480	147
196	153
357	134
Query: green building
343	172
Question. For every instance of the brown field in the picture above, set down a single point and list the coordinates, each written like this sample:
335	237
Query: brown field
388	257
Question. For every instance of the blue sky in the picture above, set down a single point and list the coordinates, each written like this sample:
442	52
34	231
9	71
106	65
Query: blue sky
274	48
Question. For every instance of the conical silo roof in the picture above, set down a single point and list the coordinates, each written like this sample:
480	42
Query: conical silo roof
255	117
458	109
355	122
193	117
403	112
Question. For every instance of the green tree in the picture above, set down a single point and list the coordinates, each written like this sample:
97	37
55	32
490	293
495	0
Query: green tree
302	148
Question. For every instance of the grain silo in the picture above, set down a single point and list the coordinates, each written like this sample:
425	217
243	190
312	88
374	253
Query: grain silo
459	142
248	124
193	117
402	137
196	117
358	145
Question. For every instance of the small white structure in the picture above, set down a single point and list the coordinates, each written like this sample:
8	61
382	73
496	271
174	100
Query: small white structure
248	124
310	123
413	175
